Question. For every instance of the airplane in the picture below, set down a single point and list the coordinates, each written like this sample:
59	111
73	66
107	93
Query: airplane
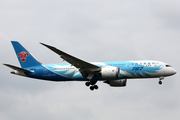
113	73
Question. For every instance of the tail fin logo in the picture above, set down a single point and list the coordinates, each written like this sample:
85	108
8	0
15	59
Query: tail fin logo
23	56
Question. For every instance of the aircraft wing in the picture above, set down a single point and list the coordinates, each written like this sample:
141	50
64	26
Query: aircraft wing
86	69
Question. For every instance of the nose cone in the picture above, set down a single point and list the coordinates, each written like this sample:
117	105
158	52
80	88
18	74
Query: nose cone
173	71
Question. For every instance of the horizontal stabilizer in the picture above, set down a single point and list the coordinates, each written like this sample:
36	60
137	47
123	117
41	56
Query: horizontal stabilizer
18	68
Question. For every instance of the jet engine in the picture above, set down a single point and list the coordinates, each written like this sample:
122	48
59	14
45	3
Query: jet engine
110	72
116	83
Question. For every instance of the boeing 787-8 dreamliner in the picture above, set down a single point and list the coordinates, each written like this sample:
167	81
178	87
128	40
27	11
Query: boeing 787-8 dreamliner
113	73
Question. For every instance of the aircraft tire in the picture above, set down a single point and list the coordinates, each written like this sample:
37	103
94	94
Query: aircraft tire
87	84
96	87
160	82
92	88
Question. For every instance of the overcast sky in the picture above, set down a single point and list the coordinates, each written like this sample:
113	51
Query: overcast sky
93	30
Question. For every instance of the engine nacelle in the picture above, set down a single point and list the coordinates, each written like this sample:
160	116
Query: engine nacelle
116	83
110	72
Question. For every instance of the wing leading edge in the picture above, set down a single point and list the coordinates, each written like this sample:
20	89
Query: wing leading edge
87	69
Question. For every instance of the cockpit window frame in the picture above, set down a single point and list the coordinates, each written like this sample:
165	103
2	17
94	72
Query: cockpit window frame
168	65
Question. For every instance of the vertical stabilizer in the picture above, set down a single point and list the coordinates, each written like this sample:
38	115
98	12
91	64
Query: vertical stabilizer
24	57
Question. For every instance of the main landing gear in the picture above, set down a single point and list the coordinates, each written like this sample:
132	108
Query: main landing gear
161	78
92	85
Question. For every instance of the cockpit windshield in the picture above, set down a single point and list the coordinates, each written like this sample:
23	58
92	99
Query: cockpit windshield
168	65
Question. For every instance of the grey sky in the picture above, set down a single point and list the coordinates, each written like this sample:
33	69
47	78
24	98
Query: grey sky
93	30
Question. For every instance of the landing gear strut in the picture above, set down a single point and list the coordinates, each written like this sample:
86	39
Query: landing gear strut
161	78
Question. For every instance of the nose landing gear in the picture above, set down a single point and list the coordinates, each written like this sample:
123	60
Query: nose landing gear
161	78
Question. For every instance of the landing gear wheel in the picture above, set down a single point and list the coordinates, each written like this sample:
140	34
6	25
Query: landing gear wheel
92	88
96	87
87	83
160	82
